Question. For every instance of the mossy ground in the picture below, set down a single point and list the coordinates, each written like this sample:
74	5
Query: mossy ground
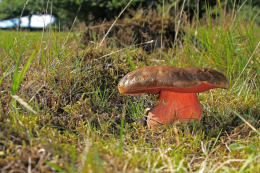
81	123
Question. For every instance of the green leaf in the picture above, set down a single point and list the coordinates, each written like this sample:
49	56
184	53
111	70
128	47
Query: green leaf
236	146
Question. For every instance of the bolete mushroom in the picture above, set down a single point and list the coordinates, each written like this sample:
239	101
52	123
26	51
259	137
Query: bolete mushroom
177	88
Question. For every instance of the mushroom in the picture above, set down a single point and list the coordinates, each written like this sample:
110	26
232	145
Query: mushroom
178	88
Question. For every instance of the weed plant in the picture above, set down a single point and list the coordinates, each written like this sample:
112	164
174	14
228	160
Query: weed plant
60	110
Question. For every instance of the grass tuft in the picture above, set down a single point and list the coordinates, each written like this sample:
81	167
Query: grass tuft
60	110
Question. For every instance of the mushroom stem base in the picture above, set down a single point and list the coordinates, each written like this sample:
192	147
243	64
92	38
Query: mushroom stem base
174	106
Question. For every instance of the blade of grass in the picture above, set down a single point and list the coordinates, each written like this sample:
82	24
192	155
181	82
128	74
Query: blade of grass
247	123
22	102
115	22
246	163
56	167
5	73
122	133
131	63
18	77
25	68
120	50
249	59
15	80
84	160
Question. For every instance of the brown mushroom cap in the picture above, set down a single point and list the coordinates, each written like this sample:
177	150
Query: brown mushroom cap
153	79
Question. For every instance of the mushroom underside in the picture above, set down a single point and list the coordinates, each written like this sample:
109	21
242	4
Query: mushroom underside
204	86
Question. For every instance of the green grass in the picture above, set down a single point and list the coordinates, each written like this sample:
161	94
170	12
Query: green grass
83	124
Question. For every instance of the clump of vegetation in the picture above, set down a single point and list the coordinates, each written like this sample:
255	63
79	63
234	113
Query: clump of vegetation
146	29
60	110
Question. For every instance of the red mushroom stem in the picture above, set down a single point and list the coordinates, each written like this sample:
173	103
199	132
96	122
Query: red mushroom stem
174	106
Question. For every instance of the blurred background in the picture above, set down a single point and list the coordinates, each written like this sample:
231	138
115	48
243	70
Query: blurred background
65	13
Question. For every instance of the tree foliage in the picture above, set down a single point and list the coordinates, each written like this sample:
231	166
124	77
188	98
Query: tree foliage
87	10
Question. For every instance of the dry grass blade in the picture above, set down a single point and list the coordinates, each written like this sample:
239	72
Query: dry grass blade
247	123
103	39
178	23
120	50
22	102
217	167
249	59
84	156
